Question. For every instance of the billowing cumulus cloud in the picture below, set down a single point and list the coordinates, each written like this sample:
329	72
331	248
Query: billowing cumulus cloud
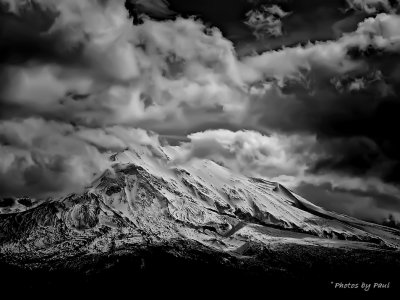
157	71
172	72
249	152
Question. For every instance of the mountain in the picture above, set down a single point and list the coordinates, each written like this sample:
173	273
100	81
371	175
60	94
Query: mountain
151	212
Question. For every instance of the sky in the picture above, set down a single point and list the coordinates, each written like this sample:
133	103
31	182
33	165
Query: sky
305	93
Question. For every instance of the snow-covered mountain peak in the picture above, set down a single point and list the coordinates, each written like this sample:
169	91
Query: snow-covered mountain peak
146	200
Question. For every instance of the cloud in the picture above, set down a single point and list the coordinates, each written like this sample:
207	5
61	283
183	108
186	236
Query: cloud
42	85
248	152
46	158
373	6
160	75
154	8
291	158
354	127
302	25
171	74
155	73
344	92
266	21
42	159
117	138
363	206
332	57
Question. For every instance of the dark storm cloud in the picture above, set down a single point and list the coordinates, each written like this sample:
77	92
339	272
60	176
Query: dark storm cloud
230	17
20	37
278	23
354	119
345	93
281	23
355	155
341	89
302	25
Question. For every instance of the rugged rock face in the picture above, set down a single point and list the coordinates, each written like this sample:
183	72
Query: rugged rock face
204	207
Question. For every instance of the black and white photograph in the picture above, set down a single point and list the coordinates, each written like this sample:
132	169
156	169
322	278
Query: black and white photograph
199	148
